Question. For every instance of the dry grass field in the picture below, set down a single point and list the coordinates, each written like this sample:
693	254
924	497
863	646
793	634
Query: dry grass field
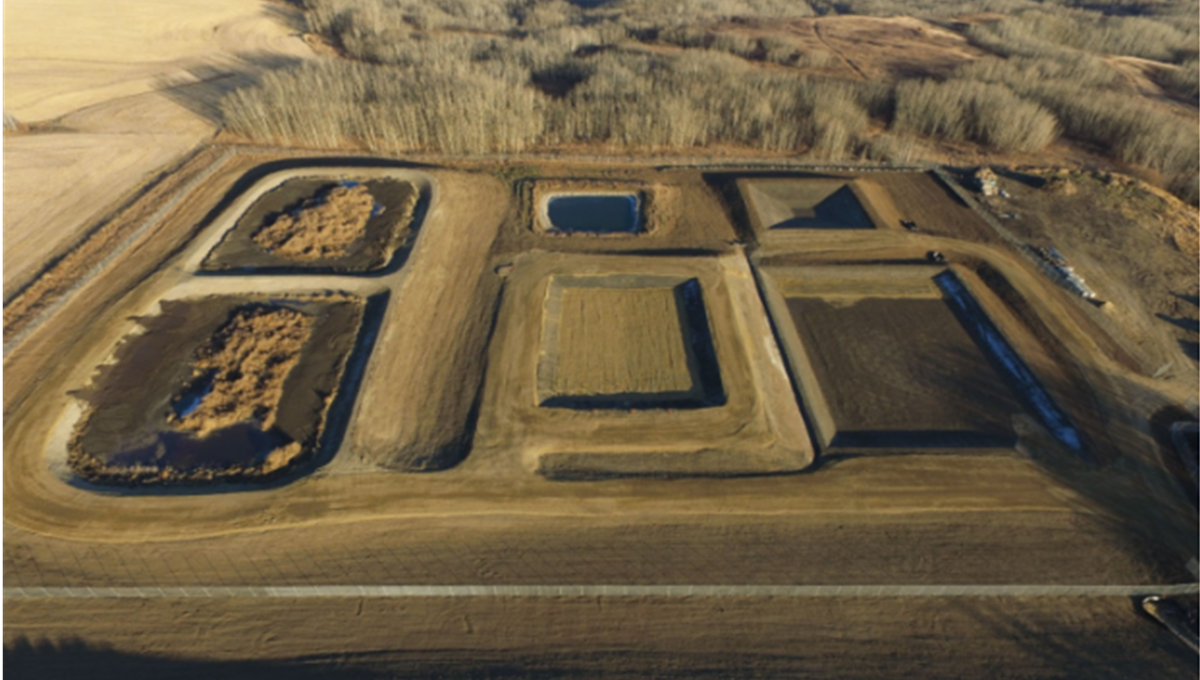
816	363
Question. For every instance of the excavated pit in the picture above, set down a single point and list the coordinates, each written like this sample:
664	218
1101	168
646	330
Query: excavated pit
217	388
814	203
321	225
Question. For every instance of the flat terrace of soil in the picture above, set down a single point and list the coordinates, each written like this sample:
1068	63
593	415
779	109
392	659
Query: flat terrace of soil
903	372
624	347
924	199
312	245
905	357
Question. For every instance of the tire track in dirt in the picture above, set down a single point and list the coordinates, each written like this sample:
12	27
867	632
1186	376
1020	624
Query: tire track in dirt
836	52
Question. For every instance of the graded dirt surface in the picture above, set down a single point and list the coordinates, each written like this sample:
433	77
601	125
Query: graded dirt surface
319	224
115	97
911	373
449	387
619	341
594	637
924	199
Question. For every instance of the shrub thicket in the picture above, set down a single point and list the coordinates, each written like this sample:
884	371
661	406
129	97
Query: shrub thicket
1045	33
464	76
624	99
1131	129
964	110
1181	81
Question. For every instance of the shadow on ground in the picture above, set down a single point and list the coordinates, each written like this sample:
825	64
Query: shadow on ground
1043	655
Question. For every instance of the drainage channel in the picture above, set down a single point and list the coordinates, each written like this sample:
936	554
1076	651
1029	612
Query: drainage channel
993	342
383	591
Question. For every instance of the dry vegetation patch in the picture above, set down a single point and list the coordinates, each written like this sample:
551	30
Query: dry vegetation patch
501	76
242	367
322	227
323	224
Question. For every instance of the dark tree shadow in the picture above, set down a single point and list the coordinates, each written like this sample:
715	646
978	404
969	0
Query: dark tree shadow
205	85
1190	325
292	17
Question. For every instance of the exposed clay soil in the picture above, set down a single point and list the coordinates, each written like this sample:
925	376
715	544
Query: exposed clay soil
1135	245
323	227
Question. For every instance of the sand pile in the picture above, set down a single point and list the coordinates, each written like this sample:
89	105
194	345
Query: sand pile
243	367
324	227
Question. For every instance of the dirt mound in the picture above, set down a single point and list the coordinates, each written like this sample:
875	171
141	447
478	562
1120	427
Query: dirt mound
1061	185
323	227
241	369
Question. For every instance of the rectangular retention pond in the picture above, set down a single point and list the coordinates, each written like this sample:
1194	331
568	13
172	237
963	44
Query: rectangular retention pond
594	213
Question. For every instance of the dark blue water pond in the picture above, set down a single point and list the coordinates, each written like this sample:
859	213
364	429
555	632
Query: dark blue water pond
594	214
